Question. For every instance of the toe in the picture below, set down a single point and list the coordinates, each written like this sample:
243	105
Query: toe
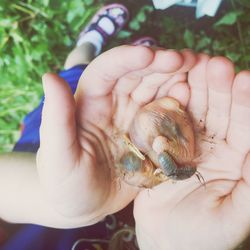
239	127
219	76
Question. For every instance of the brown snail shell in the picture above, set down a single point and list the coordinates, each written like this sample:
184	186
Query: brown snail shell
164	121
162	131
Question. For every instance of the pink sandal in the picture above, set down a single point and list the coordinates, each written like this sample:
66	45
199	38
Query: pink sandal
145	41
106	23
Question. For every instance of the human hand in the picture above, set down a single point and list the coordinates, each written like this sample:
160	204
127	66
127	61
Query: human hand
186	214
81	136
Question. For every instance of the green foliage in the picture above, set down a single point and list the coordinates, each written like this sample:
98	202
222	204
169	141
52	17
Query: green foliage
141	17
229	18
124	34
37	35
188	38
226	34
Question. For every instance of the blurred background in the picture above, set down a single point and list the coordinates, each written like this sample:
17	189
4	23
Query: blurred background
36	36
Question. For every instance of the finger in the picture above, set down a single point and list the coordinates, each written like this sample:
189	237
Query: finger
220	76
178	87
164	88
150	85
145	83
165	63
58	127
239	128
198	89
180	91
146	91
172	61
189	60
101	75
127	83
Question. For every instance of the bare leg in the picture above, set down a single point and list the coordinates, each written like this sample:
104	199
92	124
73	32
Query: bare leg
104	24
83	54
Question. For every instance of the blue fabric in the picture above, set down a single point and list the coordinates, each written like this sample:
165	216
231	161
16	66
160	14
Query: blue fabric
29	141
34	237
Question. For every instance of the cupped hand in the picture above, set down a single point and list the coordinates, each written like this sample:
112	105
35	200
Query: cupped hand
188	214
81	135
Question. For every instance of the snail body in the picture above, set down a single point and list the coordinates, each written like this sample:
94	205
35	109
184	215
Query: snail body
172	170
138	172
131	162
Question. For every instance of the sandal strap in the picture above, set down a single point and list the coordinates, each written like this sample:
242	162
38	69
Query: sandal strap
99	29
103	33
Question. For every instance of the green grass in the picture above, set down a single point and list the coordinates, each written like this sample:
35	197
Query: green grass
35	37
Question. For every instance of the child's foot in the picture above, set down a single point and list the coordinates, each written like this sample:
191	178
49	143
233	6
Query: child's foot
145	41
105	24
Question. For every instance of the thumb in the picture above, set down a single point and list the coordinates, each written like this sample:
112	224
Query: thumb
58	138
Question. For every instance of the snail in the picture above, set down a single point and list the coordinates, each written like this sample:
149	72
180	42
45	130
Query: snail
160	145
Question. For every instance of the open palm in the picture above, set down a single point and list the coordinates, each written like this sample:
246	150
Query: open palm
187	214
81	137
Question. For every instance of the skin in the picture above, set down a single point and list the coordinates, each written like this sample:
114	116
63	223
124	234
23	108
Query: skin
189	215
78	147
70	182
74	186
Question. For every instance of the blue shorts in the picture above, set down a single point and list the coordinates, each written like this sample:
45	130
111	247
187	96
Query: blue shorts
30	141
34	237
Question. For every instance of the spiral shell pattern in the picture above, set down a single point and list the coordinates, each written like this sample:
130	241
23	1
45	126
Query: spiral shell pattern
161	128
